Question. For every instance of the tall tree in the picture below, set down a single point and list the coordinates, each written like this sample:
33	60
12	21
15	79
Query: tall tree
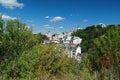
1	25
16	39
106	50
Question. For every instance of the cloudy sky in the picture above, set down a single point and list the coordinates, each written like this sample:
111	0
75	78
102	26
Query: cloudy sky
61	15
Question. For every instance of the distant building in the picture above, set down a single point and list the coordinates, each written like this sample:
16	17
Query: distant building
49	35
69	33
100	24
61	35
55	38
71	45
48	38
72	39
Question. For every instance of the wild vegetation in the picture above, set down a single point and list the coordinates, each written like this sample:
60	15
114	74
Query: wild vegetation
102	47
24	57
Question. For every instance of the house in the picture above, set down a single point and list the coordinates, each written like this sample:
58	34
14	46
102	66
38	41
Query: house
49	35
69	33
71	45
72	39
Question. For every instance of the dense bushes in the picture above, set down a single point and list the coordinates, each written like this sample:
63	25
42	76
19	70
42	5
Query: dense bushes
15	38
88	34
102	51
38	62
107	52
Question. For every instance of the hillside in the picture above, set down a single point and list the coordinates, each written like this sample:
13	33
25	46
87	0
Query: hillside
90	33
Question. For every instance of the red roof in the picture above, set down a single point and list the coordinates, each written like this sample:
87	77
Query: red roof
72	44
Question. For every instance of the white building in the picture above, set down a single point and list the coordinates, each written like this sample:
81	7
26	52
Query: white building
71	45
72	39
49	35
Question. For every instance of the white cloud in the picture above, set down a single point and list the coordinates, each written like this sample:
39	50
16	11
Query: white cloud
30	21
47	17
55	19
11	4
85	20
49	27
6	17
61	27
46	25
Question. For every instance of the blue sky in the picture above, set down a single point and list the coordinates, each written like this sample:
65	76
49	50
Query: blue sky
61	15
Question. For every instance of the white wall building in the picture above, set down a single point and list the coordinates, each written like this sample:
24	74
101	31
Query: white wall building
71	45
49	35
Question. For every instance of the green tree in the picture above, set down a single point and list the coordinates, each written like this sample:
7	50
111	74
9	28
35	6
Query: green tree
1	25
40	37
1	33
38	62
105	52
88	34
17	38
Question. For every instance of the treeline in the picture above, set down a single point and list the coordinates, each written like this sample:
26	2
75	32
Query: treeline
90	33
102	47
15	38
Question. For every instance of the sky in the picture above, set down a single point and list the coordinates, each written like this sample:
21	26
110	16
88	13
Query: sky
61	15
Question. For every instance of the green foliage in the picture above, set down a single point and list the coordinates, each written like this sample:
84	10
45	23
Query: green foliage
104	56
21	67
38	62
102	45
88	35
1	26
110	41
55	61
39	37
15	39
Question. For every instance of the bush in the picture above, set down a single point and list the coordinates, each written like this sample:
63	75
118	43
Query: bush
40	62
